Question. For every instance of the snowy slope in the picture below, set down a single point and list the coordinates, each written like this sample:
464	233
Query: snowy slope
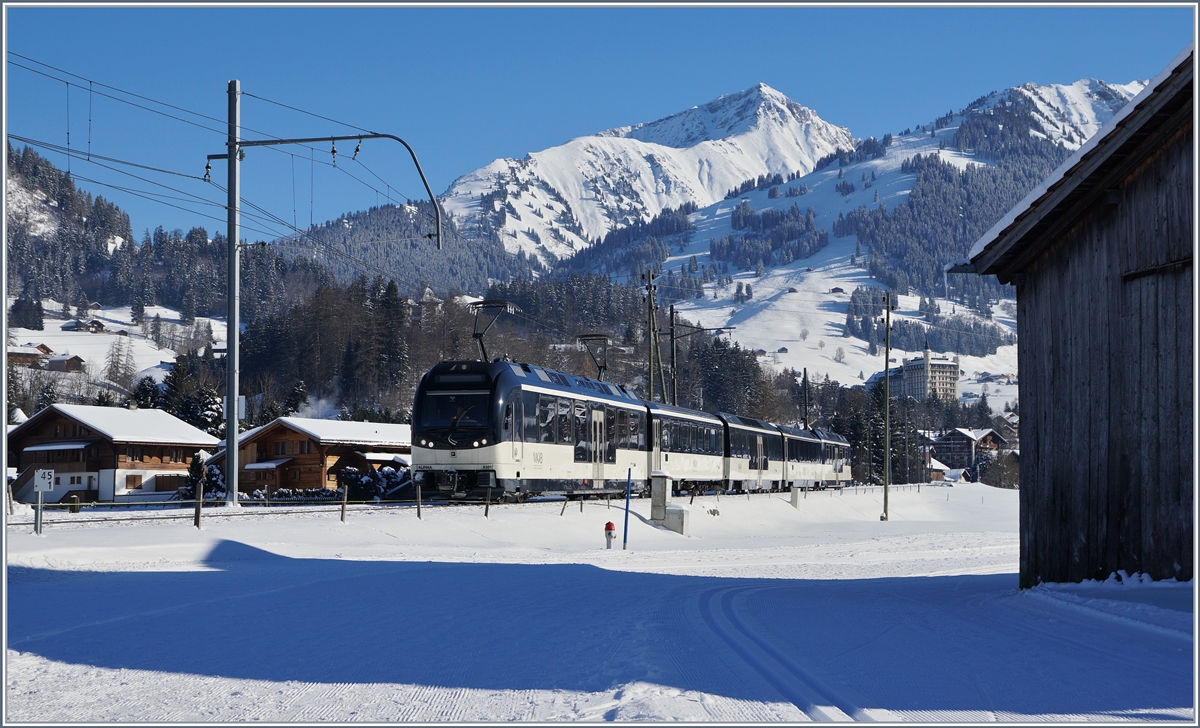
1072	113
94	348
560	200
776	318
766	613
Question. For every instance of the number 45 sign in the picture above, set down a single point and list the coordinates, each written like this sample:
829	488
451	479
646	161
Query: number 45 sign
43	481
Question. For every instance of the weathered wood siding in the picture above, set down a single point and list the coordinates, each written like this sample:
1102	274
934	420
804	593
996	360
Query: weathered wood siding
1106	362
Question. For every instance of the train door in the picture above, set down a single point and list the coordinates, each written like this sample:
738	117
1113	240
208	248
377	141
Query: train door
656	446
518	429
599	447
762	463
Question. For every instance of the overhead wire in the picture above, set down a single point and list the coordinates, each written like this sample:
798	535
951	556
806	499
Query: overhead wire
266	217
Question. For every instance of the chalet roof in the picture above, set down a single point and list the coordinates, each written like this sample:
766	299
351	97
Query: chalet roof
1022	233
935	464
149	426
67	357
27	350
340	432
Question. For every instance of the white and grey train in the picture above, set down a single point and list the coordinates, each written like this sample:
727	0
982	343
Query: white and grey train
524	430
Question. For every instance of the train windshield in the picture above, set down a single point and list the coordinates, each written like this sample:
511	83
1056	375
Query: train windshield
458	408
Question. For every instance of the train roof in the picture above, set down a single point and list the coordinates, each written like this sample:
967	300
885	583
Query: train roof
799	433
667	409
832	437
541	376
747	422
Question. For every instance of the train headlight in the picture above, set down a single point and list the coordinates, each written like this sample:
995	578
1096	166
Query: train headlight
475	444
484	441
422	442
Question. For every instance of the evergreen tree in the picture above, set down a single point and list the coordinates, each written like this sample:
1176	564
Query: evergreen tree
296	399
146	393
46	397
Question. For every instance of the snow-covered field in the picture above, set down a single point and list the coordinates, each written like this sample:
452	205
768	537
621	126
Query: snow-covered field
766	613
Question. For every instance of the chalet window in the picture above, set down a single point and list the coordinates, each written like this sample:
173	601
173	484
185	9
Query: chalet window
295	475
134	453
307	447
58	430
133	482
281	448
177	455
57	480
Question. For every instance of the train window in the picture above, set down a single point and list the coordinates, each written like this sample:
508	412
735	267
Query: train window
610	432
582	441
623	429
637	429
547	418
566	426
529	400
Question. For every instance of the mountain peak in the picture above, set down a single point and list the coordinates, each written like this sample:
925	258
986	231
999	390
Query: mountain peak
726	116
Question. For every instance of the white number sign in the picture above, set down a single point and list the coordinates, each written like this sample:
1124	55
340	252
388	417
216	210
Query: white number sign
43	481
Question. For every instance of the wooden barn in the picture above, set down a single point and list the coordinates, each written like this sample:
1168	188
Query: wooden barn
1101	257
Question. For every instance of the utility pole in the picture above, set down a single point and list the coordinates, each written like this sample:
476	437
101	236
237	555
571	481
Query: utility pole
233	156
233	300
652	329
674	370
806	425
887	401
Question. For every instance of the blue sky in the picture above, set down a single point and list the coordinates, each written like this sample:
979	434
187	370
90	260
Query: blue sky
467	85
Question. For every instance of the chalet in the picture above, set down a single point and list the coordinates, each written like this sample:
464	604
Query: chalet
43	348
93	326
23	356
1101	255
836	289
103	453
781	350
65	363
303	453
963	448
937	470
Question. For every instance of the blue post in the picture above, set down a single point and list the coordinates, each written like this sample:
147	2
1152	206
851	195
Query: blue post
625	538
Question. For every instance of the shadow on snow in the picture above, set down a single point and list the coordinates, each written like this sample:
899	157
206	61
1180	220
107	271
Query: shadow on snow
920	643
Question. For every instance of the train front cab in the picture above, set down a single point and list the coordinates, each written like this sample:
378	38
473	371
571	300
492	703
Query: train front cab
753	454
546	432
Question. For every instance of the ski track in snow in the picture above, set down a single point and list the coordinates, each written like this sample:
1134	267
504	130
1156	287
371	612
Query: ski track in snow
768	613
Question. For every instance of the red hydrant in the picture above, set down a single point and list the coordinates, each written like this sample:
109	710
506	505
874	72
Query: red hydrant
610	532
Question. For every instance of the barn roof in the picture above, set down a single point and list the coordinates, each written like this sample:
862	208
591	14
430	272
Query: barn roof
1031	226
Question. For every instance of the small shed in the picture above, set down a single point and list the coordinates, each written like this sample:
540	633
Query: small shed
65	363
1101	255
836	289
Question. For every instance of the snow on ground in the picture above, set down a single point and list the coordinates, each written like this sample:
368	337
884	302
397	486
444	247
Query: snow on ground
94	348
766	613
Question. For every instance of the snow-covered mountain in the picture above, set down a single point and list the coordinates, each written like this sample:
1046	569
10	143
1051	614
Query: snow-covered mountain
797	313
1072	113
558	201
553	203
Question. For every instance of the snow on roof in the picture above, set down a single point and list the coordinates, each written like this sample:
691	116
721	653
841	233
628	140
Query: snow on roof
935	464
24	350
352	433
151	426
992	235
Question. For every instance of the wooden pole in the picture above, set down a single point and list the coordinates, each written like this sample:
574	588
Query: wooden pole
418	501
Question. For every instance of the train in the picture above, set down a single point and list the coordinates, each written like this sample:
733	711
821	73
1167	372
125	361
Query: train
511	431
